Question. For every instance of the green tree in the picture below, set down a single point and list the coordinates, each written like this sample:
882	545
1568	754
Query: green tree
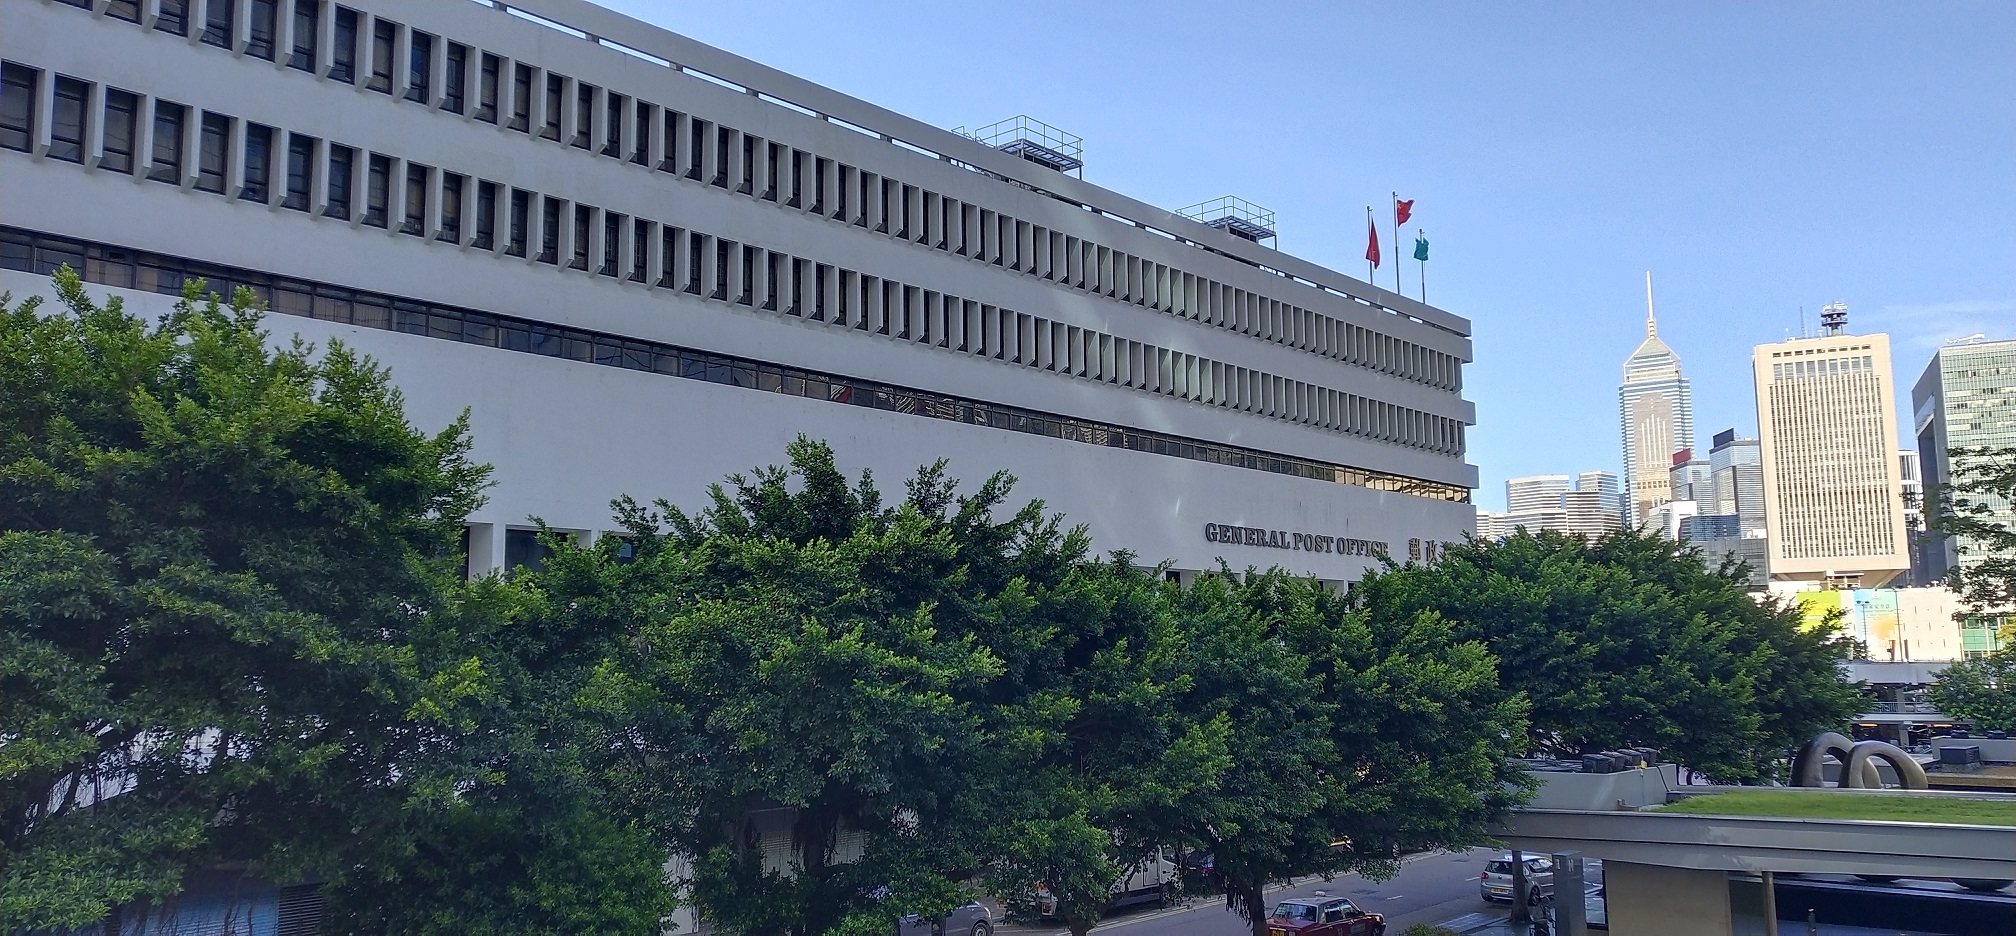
1973	507
1981	690
1357	737
210	551
1630	641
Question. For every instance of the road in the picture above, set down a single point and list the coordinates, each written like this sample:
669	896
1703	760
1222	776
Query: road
1429	889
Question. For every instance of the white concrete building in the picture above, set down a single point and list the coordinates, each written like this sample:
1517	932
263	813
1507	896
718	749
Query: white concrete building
1827	426
644	263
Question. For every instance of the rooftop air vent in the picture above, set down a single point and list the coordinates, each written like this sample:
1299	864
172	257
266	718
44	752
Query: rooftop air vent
1033	140
1235	216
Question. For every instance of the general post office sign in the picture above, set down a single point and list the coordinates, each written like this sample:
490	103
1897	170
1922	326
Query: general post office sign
1284	539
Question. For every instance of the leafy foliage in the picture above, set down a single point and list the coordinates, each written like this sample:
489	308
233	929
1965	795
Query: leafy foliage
1630	641
1980	690
1974	508
208	551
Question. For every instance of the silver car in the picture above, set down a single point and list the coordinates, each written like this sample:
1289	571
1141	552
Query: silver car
1496	881
969	920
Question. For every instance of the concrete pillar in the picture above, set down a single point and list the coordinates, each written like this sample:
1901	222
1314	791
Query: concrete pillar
1653	900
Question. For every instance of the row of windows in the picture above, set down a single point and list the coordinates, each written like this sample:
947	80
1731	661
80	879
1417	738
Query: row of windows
41	254
238	159
442	74
1824	367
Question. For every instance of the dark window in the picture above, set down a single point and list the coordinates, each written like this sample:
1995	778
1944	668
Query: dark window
486	216
549	231
522	550
583	218
612	242
307	13
613	144
555	85
451	207
66	120
173	18
17	106
300	171
122	117
698	133
128	10
343	47
457	78
640	249
213	152
384	36
168	121
258	162
720	158
486	87
748	185
377	190
217	22
584	114
642	154
420	68
416	201
696	246
521	98
521	210
342	162
265	15
770	171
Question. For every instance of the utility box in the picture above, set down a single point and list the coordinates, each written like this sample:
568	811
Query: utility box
1960	755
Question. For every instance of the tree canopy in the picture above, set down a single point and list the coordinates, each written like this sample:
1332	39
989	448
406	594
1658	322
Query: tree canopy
1630	641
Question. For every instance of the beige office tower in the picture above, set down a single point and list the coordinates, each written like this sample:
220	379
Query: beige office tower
1827	425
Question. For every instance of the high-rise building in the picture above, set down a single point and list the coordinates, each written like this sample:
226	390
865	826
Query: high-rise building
1655	407
1826	417
641	263
1547	502
1966	398
1689	476
1731	507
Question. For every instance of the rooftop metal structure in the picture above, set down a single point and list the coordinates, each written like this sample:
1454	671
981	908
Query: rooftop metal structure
1235	216
1035	141
1834	317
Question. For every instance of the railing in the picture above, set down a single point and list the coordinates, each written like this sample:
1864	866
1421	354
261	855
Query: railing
1901	708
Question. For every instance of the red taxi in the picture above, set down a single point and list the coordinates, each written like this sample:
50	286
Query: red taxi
1323	916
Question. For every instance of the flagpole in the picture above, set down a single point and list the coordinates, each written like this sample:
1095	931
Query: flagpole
1396	242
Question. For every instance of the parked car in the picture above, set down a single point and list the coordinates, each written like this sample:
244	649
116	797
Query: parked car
1323	916
1151	881
969	920
1496	881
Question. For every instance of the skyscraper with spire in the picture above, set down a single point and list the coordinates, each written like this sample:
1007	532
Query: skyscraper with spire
1655	408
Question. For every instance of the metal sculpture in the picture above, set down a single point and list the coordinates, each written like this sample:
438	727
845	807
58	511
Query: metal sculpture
1858	759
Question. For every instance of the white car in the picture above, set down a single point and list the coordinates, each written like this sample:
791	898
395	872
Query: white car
1496	881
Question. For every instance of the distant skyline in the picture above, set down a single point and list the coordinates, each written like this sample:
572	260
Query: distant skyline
1755	157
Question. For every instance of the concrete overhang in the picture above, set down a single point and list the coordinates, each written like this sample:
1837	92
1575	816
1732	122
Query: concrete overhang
1755	844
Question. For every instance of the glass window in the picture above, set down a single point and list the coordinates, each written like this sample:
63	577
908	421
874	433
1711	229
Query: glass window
451	207
641	154
66	120
17	106
457	67
213	152
555	85
420	68
522	550
173	18
265	15
378	191
300	171
487	88
342	161
640	249
521	209
384	38
486	216
217	22
584	114
343	47
307	13
612	145
122	116
258	162
612	242
416	201
549	231
583	218
168	121
521	98
128	10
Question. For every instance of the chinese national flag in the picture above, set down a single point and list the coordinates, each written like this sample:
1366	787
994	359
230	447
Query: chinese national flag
1372	243
1402	210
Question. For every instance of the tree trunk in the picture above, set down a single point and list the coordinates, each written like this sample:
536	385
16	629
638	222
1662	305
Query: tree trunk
1081	926
1255	898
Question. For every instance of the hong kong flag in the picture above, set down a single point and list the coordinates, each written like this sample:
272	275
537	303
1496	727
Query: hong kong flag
1371	243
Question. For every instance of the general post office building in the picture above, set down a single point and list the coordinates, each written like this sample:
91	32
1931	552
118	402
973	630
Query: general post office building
643	263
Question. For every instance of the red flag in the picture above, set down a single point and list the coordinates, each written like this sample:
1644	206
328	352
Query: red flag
1402	210
1372	243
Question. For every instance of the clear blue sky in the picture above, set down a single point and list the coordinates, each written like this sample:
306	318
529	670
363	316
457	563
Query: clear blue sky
1754	157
